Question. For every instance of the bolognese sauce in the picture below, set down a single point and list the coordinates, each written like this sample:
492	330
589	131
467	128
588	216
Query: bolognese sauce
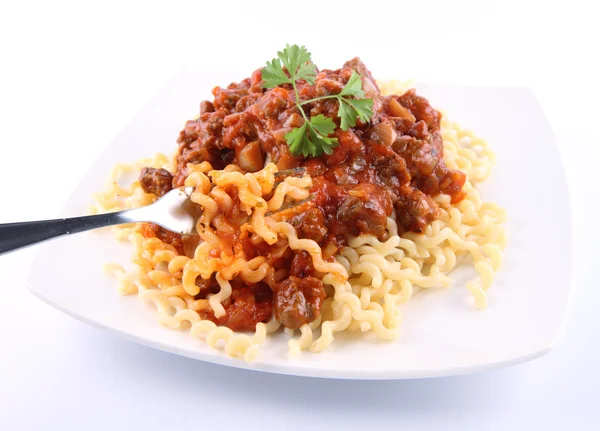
392	164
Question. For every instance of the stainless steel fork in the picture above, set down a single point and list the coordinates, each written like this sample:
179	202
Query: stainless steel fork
172	211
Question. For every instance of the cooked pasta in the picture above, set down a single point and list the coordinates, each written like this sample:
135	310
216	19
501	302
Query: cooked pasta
262	258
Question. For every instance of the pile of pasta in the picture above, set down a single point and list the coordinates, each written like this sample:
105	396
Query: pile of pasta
368	281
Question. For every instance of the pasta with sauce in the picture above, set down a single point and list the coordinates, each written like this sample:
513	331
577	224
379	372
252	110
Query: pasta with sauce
394	209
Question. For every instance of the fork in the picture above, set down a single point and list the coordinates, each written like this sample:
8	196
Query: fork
172	211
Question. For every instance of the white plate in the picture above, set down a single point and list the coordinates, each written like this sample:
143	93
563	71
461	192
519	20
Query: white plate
441	335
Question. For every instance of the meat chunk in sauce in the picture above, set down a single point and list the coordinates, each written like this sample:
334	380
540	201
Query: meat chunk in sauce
298	301
310	225
156	181
207	287
249	306
302	265
365	210
415	210
421	109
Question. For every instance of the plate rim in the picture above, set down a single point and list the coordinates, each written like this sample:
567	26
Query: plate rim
293	369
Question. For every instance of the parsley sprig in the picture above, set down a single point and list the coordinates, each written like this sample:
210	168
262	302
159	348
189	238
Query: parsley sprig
313	137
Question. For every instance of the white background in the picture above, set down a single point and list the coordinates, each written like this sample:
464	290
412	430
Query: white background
72	75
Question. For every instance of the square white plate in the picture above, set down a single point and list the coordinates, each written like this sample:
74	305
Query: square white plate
440	333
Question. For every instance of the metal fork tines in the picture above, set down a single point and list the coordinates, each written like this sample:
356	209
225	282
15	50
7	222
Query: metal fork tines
294	172
170	211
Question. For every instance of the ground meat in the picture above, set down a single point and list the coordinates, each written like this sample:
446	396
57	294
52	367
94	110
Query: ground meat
206	106
156	181
415	210
451	182
365	210
249	306
310	224
298	301
302	265
391	171
207	287
421	109
421	155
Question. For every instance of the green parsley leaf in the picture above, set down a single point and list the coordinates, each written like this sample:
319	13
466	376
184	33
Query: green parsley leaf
322	124
322	143
273	75
313	137
362	108
347	114
330	144
353	87
351	108
308	72
293	57
298	141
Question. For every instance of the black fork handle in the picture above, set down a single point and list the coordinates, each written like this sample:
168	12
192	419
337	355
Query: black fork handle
14	236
